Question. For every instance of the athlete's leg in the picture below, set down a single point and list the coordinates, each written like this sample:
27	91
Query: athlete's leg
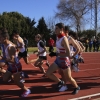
20	84
39	63
7	76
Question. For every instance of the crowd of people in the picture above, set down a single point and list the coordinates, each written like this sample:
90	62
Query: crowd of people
92	45
68	55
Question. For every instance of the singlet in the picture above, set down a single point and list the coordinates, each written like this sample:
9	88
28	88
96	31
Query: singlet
41	49
71	47
7	55
59	47
23	45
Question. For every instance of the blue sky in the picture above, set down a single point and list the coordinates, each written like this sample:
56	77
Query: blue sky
30	8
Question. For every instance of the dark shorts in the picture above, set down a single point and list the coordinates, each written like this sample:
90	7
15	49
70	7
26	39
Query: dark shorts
62	62
14	68
43	57
22	54
2	60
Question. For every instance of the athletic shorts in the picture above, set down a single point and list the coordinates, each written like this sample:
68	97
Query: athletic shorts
22	54
63	62
14	68
43	57
77	56
2	60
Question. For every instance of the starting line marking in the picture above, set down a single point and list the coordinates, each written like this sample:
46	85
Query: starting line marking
86	97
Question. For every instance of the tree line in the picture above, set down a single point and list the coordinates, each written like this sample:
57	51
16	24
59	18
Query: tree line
27	27
24	25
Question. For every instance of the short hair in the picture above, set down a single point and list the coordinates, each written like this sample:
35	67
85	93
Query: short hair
5	35
66	28
39	36
15	32
73	34
3	30
60	25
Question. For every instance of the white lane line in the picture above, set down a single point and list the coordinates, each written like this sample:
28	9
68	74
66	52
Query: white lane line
86	97
89	69
90	64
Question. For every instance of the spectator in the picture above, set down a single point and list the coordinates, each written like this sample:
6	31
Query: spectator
86	45
51	44
90	45
94	45
97	44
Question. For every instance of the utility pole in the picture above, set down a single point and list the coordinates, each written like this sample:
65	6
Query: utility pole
96	17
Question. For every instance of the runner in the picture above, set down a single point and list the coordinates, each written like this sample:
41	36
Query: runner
62	61
41	54
14	66
73	45
82	48
20	46
2	56
22	53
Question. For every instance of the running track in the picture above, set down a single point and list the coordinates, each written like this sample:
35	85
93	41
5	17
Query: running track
88	78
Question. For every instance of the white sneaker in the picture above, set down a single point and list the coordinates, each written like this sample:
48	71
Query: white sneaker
9	80
75	68
26	93
22	80
63	88
28	55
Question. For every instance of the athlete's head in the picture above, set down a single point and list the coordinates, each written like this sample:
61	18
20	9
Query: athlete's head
3	31
66	30
15	35
38	37
4	37
59	28
73	34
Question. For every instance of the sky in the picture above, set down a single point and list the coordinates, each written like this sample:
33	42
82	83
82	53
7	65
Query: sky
30	8
34	9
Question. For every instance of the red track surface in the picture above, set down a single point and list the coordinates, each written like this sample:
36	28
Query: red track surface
88	78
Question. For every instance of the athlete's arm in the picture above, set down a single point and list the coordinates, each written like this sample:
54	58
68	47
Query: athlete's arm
82	46
20	42
43	46
75	45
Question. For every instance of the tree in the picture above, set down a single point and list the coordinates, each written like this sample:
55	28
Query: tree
73	10
16	21
43	29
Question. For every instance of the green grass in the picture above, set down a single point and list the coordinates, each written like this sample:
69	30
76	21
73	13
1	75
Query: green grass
31	49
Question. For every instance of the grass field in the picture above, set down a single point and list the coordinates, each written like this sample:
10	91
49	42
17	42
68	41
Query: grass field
31	49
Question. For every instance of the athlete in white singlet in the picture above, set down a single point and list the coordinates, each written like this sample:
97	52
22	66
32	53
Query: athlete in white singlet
42	55
20	46
62	61
82	48
14	66
2	56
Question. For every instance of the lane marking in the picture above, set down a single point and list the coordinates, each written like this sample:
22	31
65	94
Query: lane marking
89	69
86	97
